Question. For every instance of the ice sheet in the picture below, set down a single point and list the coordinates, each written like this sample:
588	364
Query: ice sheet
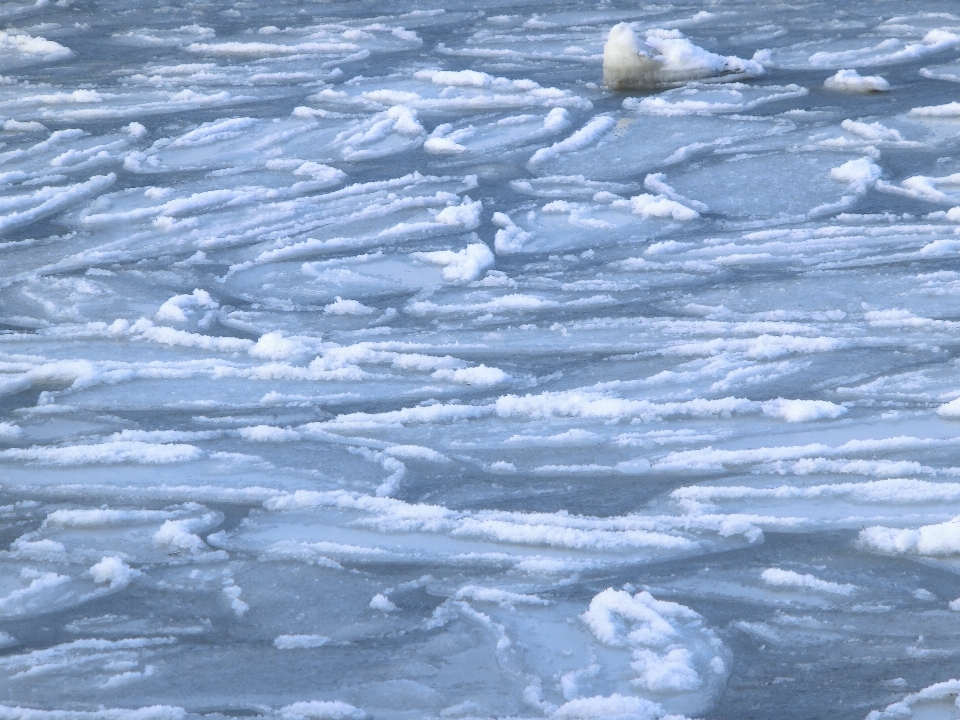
478	361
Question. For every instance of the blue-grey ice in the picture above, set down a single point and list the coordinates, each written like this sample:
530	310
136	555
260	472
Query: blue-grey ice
568	361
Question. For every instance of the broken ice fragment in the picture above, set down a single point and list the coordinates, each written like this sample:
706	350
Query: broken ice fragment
668	59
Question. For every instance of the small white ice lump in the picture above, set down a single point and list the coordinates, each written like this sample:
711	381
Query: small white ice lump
850	81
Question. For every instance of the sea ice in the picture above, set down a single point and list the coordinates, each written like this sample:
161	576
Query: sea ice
478	361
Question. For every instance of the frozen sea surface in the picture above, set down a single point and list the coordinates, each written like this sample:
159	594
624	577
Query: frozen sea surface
373	360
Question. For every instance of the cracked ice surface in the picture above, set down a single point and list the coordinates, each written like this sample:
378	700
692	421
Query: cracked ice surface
377	361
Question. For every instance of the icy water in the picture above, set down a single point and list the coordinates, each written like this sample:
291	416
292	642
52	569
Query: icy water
374	360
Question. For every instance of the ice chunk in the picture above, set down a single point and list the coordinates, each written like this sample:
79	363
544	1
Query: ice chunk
647	205
173	309
35	595
708	98
176	535
461	265
935	701
382	603
672	653
934	540
153	712
106	453
850	81
274	346
610	707
322	710
948	110
18	49
503	598
950	410
114	571
391	131
886	51
17	126
9	431
858	174
268	433
298	642
481	375
510	237
802	410
667	59
50	200
791	579
583	137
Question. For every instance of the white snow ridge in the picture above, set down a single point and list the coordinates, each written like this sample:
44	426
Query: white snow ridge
559	360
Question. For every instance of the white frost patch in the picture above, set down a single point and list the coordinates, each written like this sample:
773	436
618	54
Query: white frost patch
667	58
382	603
802	410
112	570
850	81
461	265
790	579
481	375
322	710
299	642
